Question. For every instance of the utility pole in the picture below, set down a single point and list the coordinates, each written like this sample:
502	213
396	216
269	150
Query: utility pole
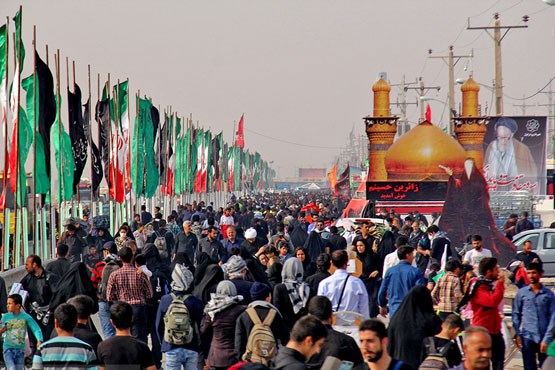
403	121
497	38
524	105
550	122
451	62
422	89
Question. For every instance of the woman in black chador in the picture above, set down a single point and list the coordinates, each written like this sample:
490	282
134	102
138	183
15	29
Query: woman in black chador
466	211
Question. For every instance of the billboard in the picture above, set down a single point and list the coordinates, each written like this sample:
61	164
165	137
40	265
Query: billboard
312	174
514	154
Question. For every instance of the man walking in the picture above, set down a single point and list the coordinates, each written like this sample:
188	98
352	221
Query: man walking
485	299
65	348
212	246
187	242
398	280
346	292
126	285
122	349
533	308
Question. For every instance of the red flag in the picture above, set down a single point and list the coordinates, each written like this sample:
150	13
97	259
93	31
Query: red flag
428	113
240	135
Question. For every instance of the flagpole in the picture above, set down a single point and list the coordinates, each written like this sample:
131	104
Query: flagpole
73	213
136	129
60	151
5	246
89	134
16	137
128	157
110	167
79	183
99	137
35	139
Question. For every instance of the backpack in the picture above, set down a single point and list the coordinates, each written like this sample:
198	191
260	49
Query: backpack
435	360
261	344
106	272
178	329
161	245
159	285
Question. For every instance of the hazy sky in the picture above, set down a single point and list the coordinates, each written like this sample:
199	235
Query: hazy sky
301	71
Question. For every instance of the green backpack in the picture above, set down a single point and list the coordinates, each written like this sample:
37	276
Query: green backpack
178	329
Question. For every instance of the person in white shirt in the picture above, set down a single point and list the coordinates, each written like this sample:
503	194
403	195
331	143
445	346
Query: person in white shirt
226	220
392	259
346	292
478	253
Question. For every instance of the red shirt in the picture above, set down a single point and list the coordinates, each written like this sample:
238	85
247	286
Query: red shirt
485	304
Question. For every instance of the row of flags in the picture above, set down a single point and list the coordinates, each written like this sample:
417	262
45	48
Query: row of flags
167	154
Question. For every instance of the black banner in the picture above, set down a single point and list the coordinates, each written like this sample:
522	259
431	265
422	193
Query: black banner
406	190
77	133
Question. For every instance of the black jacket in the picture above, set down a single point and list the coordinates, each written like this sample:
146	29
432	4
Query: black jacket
336	242
59	266
289	359
40	288
187	244
338	345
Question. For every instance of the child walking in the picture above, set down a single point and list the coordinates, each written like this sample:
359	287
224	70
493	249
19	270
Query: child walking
15	325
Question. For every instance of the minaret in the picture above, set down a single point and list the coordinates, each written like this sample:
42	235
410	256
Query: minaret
381	129
470	126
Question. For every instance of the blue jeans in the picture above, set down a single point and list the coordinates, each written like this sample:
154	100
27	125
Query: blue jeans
531	354
177	357
104	313
139	325
14	358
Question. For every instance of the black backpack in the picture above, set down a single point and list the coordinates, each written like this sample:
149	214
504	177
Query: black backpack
160	286
436	358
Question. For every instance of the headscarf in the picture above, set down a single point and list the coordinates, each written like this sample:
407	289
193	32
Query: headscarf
203	262
181	258
292	277
225	296
182	278
234	266
413	321
387	245
213	275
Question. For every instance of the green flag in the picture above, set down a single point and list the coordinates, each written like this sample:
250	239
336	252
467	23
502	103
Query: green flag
138	153
178	154
3	82
64	157
143	167
20	50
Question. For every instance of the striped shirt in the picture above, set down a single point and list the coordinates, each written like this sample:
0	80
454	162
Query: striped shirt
447	293
65	353
126	285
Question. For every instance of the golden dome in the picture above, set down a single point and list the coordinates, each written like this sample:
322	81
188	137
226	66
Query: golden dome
470	85
417	155
381	85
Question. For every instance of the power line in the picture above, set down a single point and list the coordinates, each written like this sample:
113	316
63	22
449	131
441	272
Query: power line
534	94
292	143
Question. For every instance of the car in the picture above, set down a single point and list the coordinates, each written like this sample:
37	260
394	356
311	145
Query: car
543	243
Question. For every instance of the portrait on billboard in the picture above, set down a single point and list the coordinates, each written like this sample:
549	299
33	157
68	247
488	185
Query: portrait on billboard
514	154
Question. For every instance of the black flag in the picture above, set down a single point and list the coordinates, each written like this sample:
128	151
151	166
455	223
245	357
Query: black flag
46	116
102	116
77	133
96	159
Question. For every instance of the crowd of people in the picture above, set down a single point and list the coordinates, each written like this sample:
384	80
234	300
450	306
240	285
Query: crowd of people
258	283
